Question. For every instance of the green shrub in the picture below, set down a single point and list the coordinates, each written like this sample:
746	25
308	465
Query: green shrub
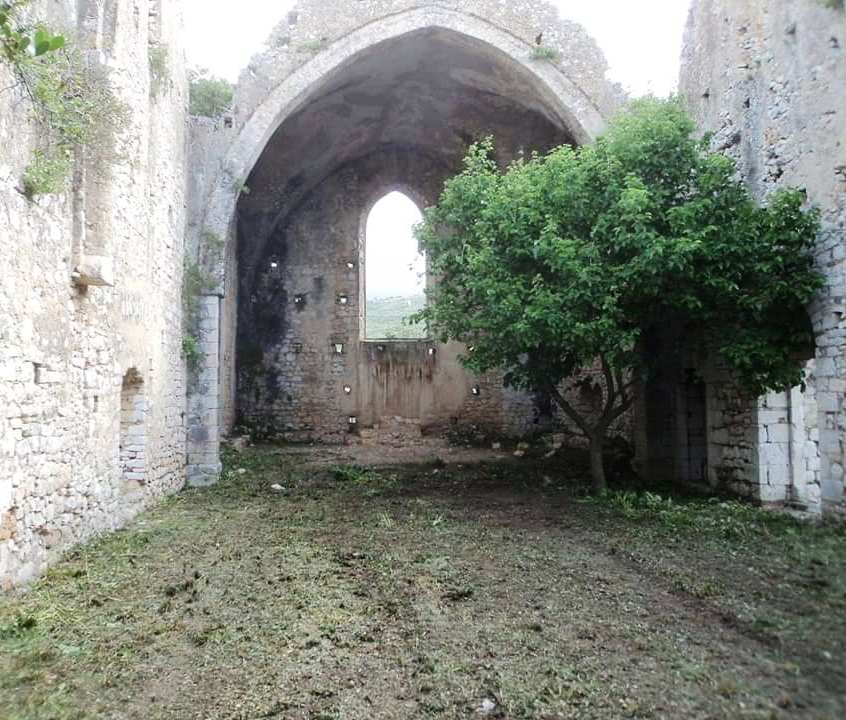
209	96
48	172
191	350
75	106
72	99
544	52
198	279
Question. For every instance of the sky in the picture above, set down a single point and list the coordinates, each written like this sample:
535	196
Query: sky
641	40
393	266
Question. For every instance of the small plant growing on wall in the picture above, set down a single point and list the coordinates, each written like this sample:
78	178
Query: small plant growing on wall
240	187
312	46
199	278
159	62
72	100
544	52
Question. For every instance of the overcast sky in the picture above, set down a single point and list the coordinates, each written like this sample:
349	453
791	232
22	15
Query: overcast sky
642	41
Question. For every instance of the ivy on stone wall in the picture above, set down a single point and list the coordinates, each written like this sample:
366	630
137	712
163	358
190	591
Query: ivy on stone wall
199	279
19	41
72	99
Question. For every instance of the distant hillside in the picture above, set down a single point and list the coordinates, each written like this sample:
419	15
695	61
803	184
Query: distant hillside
385	318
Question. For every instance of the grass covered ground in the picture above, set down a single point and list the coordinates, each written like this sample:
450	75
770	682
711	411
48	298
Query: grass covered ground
435	591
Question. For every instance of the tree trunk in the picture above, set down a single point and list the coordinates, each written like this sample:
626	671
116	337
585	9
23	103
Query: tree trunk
597	466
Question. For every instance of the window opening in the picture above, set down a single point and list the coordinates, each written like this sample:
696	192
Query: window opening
394	270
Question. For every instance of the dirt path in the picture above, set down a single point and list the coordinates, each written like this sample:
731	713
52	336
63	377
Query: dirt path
440	590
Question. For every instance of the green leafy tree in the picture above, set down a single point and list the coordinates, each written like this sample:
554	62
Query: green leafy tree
209	96
576	258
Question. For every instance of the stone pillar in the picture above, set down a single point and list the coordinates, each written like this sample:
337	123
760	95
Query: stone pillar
204	465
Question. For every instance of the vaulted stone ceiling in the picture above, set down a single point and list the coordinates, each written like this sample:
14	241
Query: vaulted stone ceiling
433	92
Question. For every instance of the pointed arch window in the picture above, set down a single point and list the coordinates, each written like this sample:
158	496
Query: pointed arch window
394	270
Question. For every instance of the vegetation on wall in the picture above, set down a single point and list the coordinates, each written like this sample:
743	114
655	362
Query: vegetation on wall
209	96
577	258
313	46
72	99
18	41
199	278
159	61
239	185
544	52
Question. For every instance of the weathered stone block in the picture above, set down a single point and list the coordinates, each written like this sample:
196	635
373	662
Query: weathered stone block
96	271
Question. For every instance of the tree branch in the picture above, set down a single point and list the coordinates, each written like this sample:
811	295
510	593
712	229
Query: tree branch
624	407
610	389
570	411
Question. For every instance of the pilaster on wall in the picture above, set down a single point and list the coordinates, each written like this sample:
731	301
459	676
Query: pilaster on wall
787	469
204	465
761	76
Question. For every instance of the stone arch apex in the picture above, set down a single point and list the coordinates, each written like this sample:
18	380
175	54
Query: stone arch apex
266	98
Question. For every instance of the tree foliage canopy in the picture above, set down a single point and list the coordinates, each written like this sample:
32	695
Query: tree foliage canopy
575	257
209	96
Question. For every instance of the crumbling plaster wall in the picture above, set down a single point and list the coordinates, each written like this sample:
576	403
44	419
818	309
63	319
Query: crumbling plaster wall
767	77
65	348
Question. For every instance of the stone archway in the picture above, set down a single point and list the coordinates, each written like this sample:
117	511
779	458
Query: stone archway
410	85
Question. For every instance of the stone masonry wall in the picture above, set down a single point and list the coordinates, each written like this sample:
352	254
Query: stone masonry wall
91	377
767	78
303	61
303	368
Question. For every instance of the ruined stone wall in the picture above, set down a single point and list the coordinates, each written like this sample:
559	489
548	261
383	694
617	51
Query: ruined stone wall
767	78
286	98
91	377
303	368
